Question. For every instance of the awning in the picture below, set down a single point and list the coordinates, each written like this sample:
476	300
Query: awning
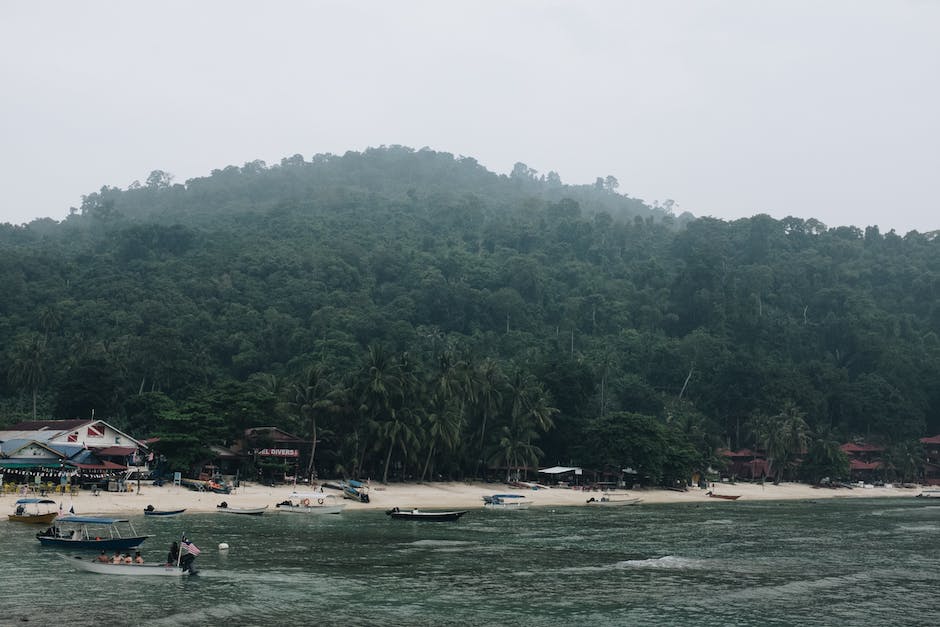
105	465
115	451
29	463
560	470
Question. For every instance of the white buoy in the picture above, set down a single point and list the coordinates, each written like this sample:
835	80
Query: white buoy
223	546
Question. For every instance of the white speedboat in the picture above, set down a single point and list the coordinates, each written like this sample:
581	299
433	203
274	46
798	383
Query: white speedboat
614	500
506	501
224	508
311	503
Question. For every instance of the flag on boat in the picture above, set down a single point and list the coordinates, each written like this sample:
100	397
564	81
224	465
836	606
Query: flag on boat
191	548
72	509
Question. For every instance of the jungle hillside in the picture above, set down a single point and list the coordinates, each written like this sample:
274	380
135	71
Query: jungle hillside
416	316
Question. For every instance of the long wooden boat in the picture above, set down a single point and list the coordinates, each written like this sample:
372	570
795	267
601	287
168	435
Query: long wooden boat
416	514
86	532
224	508
506	501
727	497
128	570
150	511
34	511
310	503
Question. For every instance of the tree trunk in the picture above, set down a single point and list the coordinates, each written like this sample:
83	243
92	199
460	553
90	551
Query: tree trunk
388	459
427	462
313	449
35	391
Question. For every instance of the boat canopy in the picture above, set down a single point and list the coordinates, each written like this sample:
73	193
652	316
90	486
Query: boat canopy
40	501
558	470
508	496
88	520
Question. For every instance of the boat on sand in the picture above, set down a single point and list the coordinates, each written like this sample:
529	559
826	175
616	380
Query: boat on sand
614	500
727	497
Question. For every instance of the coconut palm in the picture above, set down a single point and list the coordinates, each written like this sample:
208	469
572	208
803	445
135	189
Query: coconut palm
27	364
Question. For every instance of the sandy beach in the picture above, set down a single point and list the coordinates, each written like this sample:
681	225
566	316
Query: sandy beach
452	495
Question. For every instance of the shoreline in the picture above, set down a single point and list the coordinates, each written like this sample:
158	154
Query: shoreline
444	495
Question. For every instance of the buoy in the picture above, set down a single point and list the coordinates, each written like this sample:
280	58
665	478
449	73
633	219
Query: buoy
223	546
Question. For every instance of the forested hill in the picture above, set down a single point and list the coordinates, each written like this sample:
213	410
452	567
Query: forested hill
419	315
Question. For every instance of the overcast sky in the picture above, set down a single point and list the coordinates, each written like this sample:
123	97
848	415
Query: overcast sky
814	109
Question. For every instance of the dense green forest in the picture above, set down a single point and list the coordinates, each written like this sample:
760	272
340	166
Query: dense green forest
419	316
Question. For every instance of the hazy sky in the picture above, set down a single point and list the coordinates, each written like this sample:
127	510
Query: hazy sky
815	109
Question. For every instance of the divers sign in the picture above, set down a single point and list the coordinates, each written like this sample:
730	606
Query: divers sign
277	452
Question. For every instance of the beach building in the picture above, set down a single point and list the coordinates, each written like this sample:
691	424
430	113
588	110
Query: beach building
865	462
56	453
931	460
745	464
278	456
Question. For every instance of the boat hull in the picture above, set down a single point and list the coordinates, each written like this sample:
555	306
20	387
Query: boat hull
126	570
311	509
104	544
506	505
614	502
174	512
254	511
727	497
425	516
34	519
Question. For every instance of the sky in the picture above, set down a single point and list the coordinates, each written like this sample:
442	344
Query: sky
826	110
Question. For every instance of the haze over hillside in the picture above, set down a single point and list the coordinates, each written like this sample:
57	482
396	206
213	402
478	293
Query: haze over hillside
419	314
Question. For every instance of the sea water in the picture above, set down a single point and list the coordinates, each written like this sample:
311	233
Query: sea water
831	562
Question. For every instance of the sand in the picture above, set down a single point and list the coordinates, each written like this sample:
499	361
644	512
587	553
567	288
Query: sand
439	496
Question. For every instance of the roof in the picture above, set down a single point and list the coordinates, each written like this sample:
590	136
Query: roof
116	450
851	447
558	470
855	464
105	465
89	520
744	452
53	425
276	434
931	440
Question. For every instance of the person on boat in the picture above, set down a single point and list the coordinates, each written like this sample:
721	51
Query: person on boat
128	559
102	557
174	553
116	558
138	558
149	508
20	510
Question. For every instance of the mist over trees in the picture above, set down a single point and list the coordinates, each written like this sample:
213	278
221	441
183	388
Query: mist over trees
419	316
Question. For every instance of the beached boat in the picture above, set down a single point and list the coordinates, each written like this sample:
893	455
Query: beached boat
356	490
310	503
86	532
727	497
416	514
614	500
930	493
505	501
34	511
150	511
130	570
224	508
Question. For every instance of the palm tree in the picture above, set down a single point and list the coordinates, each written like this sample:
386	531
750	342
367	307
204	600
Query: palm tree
783	437
487	398
309	397
515	449
27	367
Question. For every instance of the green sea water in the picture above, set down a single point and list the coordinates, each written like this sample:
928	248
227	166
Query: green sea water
831	562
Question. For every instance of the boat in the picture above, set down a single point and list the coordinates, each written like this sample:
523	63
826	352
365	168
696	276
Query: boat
34	511
417	514
727	497
150	511
89	532
614	500
356	490
247	511
130	570
505	501
310	503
